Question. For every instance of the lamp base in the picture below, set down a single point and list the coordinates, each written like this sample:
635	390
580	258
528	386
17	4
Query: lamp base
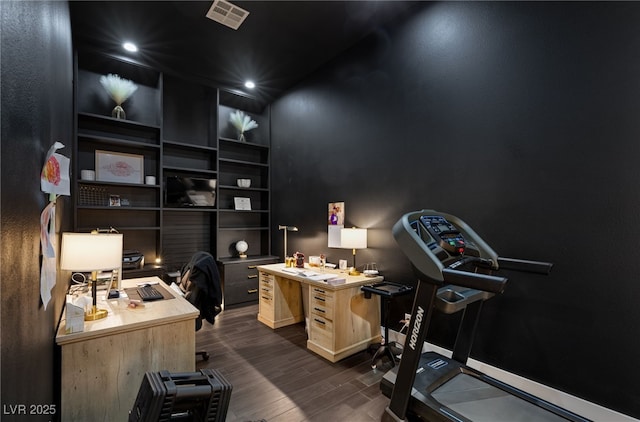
354	271
95	314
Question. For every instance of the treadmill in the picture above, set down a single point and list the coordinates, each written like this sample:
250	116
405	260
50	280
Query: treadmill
456	272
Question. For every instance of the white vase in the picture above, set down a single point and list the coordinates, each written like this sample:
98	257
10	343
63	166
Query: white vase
118	112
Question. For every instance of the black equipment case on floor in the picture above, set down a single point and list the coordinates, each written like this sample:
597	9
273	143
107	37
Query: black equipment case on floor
192	396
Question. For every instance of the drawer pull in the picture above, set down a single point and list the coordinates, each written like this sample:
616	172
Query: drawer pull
319	321
266	298
319	298
320	310
252	276
251	291
319	290
251	267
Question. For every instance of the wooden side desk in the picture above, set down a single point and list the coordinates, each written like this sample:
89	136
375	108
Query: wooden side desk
103	366
341	321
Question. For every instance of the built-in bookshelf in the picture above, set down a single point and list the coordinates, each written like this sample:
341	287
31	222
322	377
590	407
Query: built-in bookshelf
174	127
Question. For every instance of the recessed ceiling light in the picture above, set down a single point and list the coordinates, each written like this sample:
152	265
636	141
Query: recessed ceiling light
250	84
129	46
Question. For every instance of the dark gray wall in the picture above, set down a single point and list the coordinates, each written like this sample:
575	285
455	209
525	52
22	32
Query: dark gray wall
520	118
36	88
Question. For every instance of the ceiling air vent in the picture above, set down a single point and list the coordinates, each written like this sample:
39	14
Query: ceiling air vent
227	14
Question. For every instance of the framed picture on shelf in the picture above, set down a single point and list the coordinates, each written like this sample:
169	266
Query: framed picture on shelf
114	200
242	204
119	167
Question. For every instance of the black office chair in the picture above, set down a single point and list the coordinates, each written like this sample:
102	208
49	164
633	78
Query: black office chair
200	281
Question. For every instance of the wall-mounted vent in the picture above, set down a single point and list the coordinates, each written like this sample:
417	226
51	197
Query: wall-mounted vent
227	14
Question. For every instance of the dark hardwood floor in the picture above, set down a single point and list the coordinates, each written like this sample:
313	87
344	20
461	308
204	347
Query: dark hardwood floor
275	378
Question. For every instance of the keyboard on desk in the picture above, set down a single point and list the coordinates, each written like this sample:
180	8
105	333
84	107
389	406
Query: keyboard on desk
148	293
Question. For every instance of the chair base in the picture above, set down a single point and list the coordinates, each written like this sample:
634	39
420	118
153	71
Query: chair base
389	350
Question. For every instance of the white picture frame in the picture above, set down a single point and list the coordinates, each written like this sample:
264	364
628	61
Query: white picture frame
119	167
333	236
242	204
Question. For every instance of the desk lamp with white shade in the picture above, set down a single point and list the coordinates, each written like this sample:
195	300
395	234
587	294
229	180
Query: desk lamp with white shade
353	238
87	252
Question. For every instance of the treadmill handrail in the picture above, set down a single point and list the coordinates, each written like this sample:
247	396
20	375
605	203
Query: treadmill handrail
484	282
537	267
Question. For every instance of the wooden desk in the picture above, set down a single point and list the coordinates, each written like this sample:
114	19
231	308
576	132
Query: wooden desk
103	366
341	321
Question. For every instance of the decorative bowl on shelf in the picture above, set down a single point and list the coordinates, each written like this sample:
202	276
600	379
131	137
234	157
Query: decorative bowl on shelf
244	183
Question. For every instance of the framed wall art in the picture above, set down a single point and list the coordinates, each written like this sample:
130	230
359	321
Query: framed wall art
242	204
119	167
336	223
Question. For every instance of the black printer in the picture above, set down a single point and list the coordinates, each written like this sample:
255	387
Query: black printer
132	260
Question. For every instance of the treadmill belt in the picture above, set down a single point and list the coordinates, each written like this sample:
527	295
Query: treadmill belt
479	401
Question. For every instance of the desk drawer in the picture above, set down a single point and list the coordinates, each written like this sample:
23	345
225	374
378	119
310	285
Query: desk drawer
240	280
242	271
265	306
321	331
267	276
241	291
266	291
321	311
267	279
266	284
321	303
267	298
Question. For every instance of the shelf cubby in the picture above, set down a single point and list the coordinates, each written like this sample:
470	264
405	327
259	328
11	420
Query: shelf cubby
144	104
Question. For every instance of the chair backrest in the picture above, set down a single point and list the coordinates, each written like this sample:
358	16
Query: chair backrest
200	280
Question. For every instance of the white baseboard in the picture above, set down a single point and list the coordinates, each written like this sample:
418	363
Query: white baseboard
574	404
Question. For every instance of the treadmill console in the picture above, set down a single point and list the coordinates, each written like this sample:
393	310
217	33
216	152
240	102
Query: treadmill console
434	241
443	248
444	233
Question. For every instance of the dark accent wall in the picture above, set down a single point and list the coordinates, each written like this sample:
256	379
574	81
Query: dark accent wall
37	93
520	118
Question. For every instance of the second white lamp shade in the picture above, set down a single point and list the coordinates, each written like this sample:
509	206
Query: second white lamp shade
353	238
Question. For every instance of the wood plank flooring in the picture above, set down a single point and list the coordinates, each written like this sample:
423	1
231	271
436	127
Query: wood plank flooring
276	379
